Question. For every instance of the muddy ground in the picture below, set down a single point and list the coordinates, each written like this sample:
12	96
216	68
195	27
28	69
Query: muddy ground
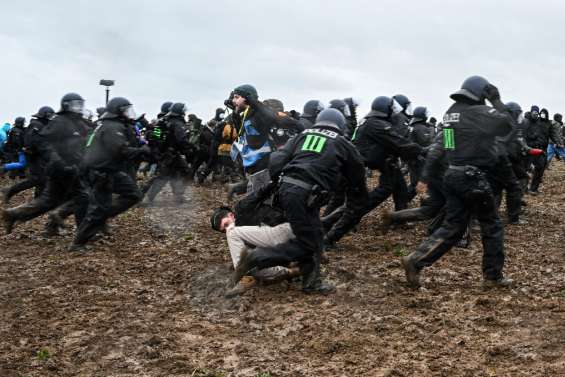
148	301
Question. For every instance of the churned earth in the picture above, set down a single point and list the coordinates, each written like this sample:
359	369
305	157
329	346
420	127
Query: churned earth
148	301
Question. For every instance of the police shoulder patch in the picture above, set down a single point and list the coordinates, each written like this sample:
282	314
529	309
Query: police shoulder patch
327	133
451	118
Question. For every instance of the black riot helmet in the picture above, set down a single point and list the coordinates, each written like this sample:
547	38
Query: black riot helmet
19	122
473	88
120	107
312	108
178	109
341	106
166	107
384	107
73	103
331	118
404	102
44	112
421	113
515	111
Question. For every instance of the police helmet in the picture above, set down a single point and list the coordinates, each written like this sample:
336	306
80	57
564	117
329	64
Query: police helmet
20	121
312	108
72	102
178	109
120	106
384	107
340	105
331	118
421	113
473	88
44	112
404	102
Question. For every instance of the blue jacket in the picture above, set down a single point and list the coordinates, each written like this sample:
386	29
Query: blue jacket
4	135
253	142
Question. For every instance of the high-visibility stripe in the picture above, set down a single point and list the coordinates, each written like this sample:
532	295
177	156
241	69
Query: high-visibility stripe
448	138
314	143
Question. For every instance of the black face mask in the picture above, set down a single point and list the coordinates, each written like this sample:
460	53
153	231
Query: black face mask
534	115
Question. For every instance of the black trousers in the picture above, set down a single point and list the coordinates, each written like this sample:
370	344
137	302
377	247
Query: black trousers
101	206
431	205
462	202
33	181
400	194
520	168
306	226
539	163
355	210
505	179
174	171
58	190
337	198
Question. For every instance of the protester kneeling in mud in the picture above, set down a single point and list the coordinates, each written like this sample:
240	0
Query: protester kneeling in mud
254	223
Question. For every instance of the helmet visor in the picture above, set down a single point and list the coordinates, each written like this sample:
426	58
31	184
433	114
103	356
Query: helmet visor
396	107
409	110
76	106
129	112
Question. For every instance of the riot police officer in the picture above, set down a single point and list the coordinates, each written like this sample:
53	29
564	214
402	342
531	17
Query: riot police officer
401	120
308	166
110	155
311	110
422	134
173	147
380	148
62	147
31	145
469	133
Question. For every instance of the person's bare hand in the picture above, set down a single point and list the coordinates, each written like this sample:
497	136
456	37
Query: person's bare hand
421	188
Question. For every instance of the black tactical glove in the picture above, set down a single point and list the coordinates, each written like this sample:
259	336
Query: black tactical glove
492	93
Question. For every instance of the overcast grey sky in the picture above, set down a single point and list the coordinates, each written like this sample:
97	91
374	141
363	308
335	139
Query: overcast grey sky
197	51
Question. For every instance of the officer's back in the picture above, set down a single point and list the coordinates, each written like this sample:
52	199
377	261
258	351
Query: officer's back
469	133
64	137
319	155
376	139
